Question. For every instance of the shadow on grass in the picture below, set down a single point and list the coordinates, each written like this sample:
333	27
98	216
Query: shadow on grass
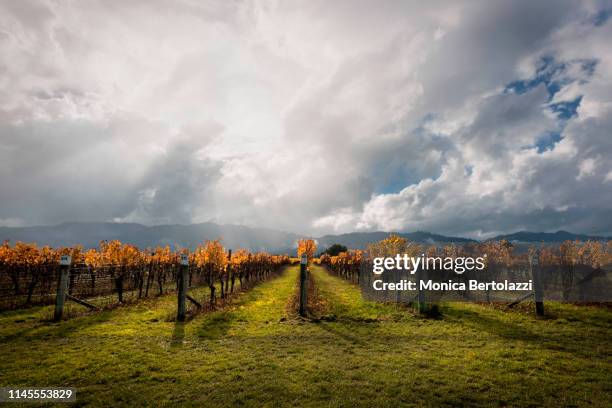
47	329
570	340
31	310
342	331
491	325
178	335
216	325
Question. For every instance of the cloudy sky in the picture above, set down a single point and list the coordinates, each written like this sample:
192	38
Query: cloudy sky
466	118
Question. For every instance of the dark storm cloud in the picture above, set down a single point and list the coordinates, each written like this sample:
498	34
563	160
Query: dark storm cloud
178	183
482	52
67	171
78	171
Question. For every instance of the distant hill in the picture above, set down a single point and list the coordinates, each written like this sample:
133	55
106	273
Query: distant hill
559	236
360	240
89	234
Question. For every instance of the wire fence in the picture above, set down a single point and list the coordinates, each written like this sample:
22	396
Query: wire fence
109	285
22	286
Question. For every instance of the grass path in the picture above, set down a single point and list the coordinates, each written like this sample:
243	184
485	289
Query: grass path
344	300
373	355
134	355
476	355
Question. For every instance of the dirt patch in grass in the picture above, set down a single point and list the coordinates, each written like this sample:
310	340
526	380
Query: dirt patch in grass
316	306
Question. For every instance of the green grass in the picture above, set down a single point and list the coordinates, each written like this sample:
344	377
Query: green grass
372	355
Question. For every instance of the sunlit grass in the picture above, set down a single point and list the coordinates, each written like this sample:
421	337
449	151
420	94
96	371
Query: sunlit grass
371	355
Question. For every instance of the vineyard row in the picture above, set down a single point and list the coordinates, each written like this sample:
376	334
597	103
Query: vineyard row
118	273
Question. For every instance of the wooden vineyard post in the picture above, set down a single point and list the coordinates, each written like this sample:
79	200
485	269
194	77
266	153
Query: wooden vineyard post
62	287
183	279
119	284
228	272
421	305
534	265
303	300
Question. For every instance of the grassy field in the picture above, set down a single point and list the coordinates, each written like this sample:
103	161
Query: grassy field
253	353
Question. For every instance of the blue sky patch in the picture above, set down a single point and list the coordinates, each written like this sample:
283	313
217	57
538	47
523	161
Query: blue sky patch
552	75
567	109
602	16
548	141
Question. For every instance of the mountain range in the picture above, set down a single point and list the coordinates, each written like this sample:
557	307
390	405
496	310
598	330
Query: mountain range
89	234
559	236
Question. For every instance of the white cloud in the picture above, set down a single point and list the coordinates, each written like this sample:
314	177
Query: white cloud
306	116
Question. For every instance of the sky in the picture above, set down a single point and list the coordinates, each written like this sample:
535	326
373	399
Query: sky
469	118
